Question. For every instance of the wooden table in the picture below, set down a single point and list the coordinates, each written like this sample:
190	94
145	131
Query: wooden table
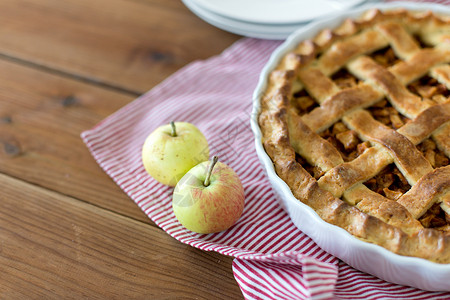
66	229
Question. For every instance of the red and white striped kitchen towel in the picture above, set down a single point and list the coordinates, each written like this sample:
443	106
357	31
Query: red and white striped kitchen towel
273	259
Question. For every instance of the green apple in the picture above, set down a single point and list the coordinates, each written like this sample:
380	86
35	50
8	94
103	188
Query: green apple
172	150
209	198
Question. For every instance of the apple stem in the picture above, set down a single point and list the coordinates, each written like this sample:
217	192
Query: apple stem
208	173
174	129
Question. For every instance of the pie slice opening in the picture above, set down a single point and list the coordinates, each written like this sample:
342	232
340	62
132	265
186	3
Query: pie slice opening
436	218
303	102
389	183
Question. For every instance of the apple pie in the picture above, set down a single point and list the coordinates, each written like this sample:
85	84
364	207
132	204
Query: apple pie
357	122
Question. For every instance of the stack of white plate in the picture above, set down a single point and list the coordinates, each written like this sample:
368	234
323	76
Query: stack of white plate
267	19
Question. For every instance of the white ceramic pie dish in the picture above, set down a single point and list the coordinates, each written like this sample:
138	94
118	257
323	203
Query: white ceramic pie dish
363	256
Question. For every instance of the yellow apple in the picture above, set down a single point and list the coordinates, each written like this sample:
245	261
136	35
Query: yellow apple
172	150
209	198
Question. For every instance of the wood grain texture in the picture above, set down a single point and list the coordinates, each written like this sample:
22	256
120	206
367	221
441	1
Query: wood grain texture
52	246
41	118
67	231
128	44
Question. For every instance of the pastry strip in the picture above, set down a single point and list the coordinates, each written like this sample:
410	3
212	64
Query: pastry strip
408	159
279	82
340	104
403	100
316	150
440	136
426	123
400	40
361	169
442	74
432	188
433	31
385	209
374	159
419	64
317	84
343	51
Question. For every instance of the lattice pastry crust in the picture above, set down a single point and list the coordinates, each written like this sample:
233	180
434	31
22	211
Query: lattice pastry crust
378	86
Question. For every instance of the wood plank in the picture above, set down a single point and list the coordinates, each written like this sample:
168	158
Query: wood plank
53	246
41	119
129	44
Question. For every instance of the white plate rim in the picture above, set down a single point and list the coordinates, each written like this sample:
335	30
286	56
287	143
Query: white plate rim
263	31
240	10
416	266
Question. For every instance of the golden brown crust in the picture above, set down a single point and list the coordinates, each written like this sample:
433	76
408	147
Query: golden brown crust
316	151
440	136
419	64
430	189
337	106
288	133
343	51
400	40
426	123
442	74
403	100
389	211
405	155
346	175
317	84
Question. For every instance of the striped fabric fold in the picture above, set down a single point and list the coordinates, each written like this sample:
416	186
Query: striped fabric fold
273	258
286	275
